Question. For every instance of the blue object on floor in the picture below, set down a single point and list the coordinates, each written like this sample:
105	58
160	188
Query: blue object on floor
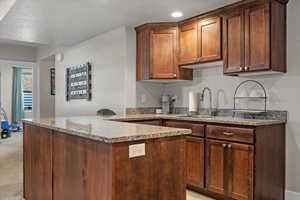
16	127
5	130
4	125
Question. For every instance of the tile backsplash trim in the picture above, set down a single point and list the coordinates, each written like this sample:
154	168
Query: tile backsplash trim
269	115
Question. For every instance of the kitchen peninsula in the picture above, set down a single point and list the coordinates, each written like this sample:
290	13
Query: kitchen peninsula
149	156
88	158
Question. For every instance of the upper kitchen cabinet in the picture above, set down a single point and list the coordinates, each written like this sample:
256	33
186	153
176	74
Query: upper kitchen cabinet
246	38
209	34
200	40
157	53
188	41
234	44
255	39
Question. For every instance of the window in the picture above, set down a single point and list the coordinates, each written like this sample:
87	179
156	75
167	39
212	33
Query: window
27	100
27	89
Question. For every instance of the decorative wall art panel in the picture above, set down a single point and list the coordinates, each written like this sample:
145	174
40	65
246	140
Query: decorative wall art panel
52	81
78	82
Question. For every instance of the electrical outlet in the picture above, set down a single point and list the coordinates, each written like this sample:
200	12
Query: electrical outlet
137	150
143	98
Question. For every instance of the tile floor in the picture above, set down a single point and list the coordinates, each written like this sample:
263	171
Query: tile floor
11	173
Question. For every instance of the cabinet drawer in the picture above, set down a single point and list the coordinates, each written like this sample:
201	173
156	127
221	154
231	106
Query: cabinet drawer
197	129
149	122
245	135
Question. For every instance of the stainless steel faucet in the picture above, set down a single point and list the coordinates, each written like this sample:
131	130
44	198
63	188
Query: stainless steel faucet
210	99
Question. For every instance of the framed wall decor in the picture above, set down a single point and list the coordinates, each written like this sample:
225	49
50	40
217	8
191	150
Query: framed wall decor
52	81
78	82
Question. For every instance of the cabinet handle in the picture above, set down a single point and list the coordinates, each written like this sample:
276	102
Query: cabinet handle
246	68
241	69
228	134
229	146
175	75
224	145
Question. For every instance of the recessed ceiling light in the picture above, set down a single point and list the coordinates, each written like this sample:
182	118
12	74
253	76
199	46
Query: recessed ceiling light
177	14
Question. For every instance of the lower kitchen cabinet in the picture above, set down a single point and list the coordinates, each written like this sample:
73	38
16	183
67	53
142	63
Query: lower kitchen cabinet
229	169
195	161
240	171
222	164
215	167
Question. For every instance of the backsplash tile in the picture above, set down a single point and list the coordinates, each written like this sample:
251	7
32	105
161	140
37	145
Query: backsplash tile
269	115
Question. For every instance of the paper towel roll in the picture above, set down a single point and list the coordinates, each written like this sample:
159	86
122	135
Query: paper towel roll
193	102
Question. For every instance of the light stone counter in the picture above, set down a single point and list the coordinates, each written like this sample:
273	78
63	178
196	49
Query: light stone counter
115	129
97	128
204	119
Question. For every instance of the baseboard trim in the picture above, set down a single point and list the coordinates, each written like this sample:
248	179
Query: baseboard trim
289	195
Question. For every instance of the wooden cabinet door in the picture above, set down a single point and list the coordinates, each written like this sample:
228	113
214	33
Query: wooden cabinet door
197	129
149	122
188	39
195	161
81	168
241	160
215	167
142	54
234	42
209	39
37	163
163	53
257	38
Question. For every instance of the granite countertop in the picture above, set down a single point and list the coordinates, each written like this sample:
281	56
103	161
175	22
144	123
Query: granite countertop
218	119
100	129
114	129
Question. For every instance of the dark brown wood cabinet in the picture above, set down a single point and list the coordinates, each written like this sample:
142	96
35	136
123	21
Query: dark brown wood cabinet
255	38
249	36
240	171
195	162
234	42
60	166
163	52
157	53
235	162
197	129
215	166
37	163
76	167
194	152
200	40
188	39
229	169
149	122
210	42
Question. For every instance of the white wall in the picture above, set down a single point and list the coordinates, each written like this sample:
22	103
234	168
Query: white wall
47	109
6	89
107	54
112	55
17	53
283	92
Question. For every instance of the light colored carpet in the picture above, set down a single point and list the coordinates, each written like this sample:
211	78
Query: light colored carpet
11	170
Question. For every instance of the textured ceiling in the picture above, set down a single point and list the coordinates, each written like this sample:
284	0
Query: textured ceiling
67	22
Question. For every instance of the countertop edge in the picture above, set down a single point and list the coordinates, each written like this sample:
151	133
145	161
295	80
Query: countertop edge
204	120
162	134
